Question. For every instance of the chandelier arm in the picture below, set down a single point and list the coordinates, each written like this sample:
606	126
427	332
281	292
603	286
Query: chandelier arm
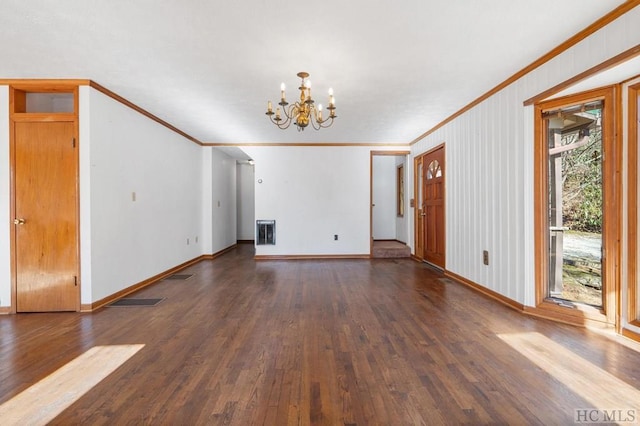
317	124
321	124
291	113
324	124
282	124
313	117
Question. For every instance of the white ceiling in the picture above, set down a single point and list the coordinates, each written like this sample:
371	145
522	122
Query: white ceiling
208	67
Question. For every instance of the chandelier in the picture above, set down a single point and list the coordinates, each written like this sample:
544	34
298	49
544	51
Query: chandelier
302	112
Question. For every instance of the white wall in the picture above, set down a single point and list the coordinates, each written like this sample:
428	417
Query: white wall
314	193
384	197
131	241
5	213
402	222
246	201
207	200
489	165
224	204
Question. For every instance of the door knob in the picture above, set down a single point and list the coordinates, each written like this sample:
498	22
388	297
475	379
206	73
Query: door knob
18	221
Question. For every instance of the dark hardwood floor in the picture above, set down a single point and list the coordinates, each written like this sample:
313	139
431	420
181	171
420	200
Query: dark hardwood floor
353	342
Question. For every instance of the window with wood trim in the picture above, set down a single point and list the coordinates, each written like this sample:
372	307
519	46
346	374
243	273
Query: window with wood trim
633	291
400	190
577	209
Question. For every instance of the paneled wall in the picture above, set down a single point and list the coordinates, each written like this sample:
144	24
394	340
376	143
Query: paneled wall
490	168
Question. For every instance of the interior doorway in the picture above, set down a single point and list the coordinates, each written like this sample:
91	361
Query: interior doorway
388	194
245	202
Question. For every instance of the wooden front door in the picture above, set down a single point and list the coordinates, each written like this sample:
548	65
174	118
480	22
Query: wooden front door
46	223
433	207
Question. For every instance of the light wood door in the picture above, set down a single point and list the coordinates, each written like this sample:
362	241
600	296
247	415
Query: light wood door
434	220
46	242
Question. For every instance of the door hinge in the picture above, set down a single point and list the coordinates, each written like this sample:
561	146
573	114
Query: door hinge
75	280
73	142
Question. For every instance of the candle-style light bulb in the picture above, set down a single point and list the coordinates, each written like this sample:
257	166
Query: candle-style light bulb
269	107
320	113
282	87
277	113
330	91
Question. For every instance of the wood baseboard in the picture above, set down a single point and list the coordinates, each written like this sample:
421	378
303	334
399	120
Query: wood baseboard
557	316
218	253
90	307
5	310
311	256
584	321
252	242
487	292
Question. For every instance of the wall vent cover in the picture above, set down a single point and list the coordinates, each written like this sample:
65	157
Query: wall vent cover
265	232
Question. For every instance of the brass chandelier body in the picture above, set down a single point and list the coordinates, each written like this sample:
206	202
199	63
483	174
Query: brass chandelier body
302	112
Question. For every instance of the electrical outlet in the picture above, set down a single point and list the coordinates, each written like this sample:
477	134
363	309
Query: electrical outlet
485	257
335	237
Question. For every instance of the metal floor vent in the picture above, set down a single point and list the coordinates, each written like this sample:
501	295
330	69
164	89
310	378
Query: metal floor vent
179	277
135	302
265	232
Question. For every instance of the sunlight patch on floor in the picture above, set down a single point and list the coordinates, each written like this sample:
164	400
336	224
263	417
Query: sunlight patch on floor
595	385
617	338
42	402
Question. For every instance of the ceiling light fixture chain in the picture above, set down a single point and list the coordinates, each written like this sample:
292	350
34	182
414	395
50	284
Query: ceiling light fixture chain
304	111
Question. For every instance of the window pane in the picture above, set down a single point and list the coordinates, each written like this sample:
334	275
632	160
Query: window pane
574	137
